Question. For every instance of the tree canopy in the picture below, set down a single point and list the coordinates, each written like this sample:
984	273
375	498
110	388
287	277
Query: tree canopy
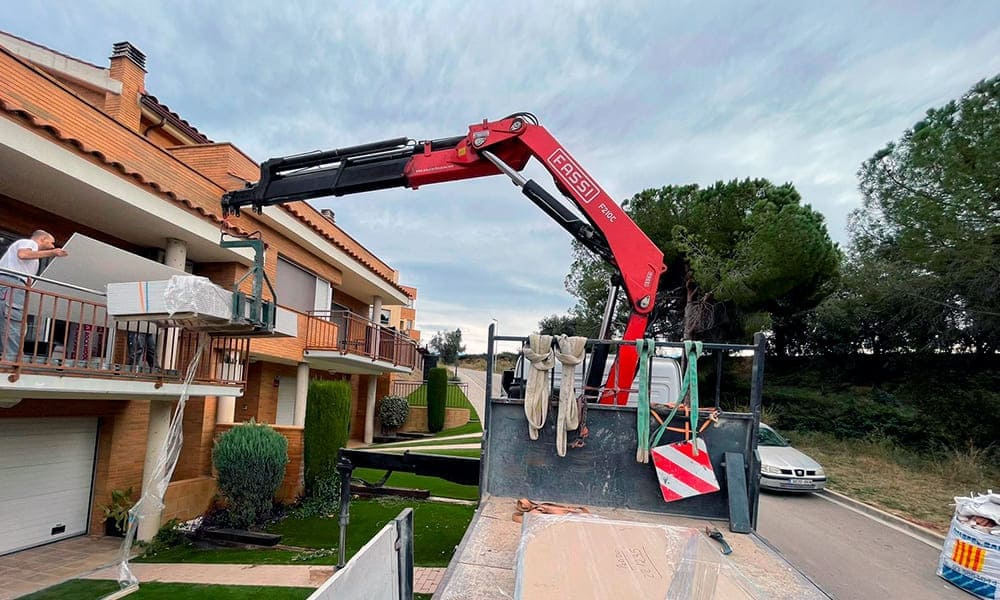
741	256
558	325
448	345
928	233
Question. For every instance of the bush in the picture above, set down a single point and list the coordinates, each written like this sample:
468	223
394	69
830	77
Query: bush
327	426
392	412
250	460
169	536
437	395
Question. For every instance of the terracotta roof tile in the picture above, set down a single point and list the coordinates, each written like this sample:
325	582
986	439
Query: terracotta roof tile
38	123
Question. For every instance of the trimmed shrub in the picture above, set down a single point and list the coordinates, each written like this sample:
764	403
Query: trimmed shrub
392	412
437	395
250	460
327	426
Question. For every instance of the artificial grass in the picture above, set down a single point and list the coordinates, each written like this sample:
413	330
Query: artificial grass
468	439
436	486
470	452
86	589
236	556
437	530
471	427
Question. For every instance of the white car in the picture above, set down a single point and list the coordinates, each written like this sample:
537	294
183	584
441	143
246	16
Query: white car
784	468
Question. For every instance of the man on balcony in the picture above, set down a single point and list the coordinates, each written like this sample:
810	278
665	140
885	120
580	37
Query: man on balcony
18	264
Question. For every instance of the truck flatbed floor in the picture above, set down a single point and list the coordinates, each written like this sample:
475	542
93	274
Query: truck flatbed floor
483	566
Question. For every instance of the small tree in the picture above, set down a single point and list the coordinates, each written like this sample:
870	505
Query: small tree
448	345
327	426
250	460
437	394
392	413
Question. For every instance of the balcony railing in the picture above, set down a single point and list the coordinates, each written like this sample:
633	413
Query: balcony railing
349	333
60	334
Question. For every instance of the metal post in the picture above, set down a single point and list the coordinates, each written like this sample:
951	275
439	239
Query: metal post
756	397
487	411
344	469
718	377
599	355
404	553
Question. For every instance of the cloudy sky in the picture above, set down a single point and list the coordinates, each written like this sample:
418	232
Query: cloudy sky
644	94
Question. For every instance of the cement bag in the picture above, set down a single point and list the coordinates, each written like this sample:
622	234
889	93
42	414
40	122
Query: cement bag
970	560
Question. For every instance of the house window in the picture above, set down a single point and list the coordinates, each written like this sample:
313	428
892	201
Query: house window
385	316
6	239
300	289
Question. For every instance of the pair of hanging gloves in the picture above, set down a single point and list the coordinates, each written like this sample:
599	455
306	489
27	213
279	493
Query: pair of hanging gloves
542	355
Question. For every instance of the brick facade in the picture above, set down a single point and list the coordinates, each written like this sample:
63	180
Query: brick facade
115	132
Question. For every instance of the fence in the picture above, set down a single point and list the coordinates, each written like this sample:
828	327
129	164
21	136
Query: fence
59	333
382	568
415	393
353	334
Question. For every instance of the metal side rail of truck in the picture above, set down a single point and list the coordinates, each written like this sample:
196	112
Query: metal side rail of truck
605	478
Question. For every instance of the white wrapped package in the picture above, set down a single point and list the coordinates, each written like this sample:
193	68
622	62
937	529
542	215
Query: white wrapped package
970	559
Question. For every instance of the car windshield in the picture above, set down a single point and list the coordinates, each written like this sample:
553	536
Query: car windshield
768	437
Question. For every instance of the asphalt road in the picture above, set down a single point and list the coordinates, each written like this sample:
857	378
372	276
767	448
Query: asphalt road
477	388
849	555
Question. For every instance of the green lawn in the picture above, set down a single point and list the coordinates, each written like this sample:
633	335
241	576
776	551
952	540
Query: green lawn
470	452
438	528
472	427
436	486
86	589
455	398
469	439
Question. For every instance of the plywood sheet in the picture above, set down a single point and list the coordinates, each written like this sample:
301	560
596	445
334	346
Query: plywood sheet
592	558
93	264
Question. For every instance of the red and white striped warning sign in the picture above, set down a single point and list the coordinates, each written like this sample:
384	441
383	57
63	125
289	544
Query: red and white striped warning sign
683	474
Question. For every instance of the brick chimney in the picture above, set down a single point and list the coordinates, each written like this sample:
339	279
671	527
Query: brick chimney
326	212
128	65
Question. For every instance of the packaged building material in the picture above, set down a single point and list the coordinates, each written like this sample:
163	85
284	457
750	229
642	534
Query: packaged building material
970	558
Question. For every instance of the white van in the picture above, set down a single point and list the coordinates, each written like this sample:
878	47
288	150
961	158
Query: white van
665	380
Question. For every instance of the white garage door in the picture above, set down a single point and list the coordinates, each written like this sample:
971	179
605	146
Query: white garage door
46	470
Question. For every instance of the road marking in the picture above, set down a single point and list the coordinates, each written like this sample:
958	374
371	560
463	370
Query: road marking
882	521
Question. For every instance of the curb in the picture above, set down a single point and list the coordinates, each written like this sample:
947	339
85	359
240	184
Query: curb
928	536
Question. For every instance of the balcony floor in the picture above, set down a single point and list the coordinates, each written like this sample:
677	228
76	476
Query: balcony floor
334	360
92	386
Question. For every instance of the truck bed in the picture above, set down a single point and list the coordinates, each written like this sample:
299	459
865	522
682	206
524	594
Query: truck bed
484	565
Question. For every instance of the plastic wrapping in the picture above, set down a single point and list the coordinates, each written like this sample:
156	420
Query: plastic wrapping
970	558
193	294
588	557
156	482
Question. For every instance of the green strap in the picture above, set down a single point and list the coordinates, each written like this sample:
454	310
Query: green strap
689	383
693	350
645	349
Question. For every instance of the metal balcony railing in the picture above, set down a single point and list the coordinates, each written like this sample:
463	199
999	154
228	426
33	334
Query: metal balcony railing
62	334
349	333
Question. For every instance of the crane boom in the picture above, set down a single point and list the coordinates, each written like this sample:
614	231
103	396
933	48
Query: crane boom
489	148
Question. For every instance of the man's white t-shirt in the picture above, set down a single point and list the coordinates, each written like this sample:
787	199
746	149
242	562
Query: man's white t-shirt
12	262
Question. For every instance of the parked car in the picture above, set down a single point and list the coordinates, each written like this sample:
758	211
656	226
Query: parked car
785	468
